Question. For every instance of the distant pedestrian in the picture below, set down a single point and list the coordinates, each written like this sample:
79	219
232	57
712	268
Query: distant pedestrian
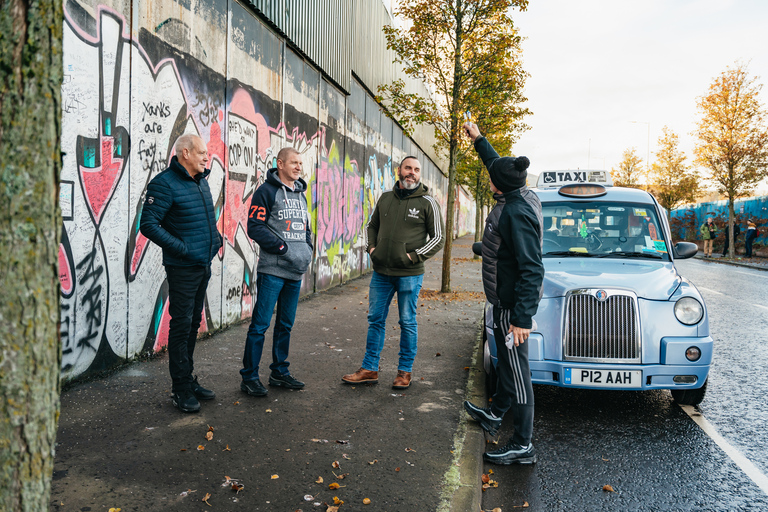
405	230
708	234
519	278
278	221
750	237
736	233
178	215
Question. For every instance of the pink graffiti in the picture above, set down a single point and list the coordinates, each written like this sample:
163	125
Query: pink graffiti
330	203
99	183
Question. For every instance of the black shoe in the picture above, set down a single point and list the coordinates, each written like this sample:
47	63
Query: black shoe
200	392
483	416
286	381
185	401
512	453
253	387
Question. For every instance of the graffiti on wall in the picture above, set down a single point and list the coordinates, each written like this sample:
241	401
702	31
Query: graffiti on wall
125	100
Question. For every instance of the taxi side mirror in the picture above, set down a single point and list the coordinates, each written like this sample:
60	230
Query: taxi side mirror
684	250
477	248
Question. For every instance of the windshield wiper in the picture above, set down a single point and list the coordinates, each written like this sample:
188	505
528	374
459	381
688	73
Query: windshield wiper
651	255
571	253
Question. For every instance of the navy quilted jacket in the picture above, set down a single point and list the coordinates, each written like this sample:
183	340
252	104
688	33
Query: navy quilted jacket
178	215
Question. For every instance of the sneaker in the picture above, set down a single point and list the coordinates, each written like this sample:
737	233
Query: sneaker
185	401
200	392
402	381
512	453
483	416
285	381
253	387
360	376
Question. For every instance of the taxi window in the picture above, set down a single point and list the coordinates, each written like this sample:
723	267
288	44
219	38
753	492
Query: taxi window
603	229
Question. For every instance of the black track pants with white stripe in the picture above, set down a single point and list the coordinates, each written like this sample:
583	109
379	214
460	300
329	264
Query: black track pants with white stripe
513	389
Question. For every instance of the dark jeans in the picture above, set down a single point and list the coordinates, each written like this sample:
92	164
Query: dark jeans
186	296
514	389
271	290
748	243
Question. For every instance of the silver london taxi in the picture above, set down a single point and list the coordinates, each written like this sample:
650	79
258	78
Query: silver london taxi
615	313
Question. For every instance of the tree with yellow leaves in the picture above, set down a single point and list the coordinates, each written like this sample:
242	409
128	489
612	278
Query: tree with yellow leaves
732	136
629	171
671	179
468	53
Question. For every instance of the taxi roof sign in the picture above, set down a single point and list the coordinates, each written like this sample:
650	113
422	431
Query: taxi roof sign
549	179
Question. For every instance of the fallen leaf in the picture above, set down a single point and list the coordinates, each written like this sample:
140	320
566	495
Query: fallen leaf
497	509
341	476
332	509
337	501
183	450
485	478
374	461
319	480
115	509
188	491
490	471
397	469
438	354
333	486
486	487
206	498
308	497
608	488
466	368
226	449
200	447
336	464
342	441
366	501
209	435
210	428
237	403
410	450
604	459
345	456
237	487
268	410
275	477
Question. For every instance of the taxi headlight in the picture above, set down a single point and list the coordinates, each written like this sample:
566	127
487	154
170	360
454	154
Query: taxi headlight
688	310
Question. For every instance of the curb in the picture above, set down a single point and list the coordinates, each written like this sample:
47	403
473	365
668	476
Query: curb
462	484
732	263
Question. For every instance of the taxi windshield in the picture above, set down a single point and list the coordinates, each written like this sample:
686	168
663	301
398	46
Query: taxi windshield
602	229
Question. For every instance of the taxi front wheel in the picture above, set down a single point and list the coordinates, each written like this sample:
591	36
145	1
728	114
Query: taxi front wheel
689	396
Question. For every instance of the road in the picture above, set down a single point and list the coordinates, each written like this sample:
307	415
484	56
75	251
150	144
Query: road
648	449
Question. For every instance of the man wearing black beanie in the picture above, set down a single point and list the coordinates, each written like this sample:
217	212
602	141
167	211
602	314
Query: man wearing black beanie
520	273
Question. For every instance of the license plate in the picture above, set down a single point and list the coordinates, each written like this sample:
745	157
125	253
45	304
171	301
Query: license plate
603	378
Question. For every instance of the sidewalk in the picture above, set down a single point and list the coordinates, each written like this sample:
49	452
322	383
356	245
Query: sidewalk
756	263
122	444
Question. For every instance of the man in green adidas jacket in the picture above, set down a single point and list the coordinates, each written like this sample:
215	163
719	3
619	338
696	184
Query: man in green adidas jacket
405	230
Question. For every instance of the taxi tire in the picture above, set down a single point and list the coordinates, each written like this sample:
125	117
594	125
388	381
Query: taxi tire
689	396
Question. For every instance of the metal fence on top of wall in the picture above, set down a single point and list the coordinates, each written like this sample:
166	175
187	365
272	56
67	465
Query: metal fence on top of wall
137	75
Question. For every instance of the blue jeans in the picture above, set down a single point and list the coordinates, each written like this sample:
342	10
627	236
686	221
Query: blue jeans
380	295
271	290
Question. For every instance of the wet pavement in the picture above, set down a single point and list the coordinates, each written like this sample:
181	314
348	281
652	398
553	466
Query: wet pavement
121	443
651	453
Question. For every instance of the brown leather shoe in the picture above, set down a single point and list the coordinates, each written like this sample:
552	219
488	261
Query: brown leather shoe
402	381
360	376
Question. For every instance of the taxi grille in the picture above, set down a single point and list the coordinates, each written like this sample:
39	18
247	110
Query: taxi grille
602	331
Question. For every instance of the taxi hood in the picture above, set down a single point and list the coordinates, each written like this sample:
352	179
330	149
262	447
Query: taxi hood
651	280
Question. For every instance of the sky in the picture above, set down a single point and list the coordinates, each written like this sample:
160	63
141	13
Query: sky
608	75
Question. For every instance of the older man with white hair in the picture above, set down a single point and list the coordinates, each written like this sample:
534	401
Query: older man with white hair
179	216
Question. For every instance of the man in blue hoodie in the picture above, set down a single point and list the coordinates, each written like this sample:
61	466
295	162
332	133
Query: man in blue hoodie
278	221
178	215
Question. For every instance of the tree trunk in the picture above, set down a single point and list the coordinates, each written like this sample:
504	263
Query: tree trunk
30	226
449	216
729	233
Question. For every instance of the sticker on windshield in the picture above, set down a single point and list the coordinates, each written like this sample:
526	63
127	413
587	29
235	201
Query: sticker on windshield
615	209
639	212
660	246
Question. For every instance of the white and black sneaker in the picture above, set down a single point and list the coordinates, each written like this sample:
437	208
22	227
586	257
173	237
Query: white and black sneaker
487	421
512	453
